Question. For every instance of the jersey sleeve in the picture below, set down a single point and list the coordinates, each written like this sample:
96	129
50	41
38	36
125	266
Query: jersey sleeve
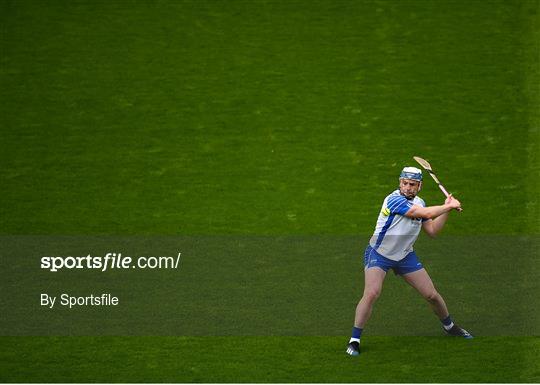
398	204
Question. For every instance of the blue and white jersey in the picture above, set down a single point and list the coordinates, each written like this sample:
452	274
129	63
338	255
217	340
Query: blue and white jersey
395	234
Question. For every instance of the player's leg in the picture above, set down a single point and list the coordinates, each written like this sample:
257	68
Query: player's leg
374	277
422	282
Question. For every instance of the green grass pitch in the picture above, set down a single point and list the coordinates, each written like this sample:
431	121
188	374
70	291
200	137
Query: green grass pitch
280	119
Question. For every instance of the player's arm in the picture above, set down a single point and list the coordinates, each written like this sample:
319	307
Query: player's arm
430	212
436	215
433	227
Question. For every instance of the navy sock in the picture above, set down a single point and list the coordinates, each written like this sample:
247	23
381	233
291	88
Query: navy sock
447	321
356	332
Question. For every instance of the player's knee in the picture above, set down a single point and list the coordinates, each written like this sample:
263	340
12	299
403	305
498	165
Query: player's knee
372	294
432	296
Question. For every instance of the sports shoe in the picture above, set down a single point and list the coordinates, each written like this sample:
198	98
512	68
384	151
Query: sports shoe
353	348
458	332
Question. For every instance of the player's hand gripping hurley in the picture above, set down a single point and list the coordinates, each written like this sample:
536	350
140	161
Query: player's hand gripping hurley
425	164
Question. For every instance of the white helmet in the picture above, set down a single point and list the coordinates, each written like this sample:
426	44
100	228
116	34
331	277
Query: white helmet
411	173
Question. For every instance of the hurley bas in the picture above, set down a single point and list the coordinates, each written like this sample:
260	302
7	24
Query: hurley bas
105	299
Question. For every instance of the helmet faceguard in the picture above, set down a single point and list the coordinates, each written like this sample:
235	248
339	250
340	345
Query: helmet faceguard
412	173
